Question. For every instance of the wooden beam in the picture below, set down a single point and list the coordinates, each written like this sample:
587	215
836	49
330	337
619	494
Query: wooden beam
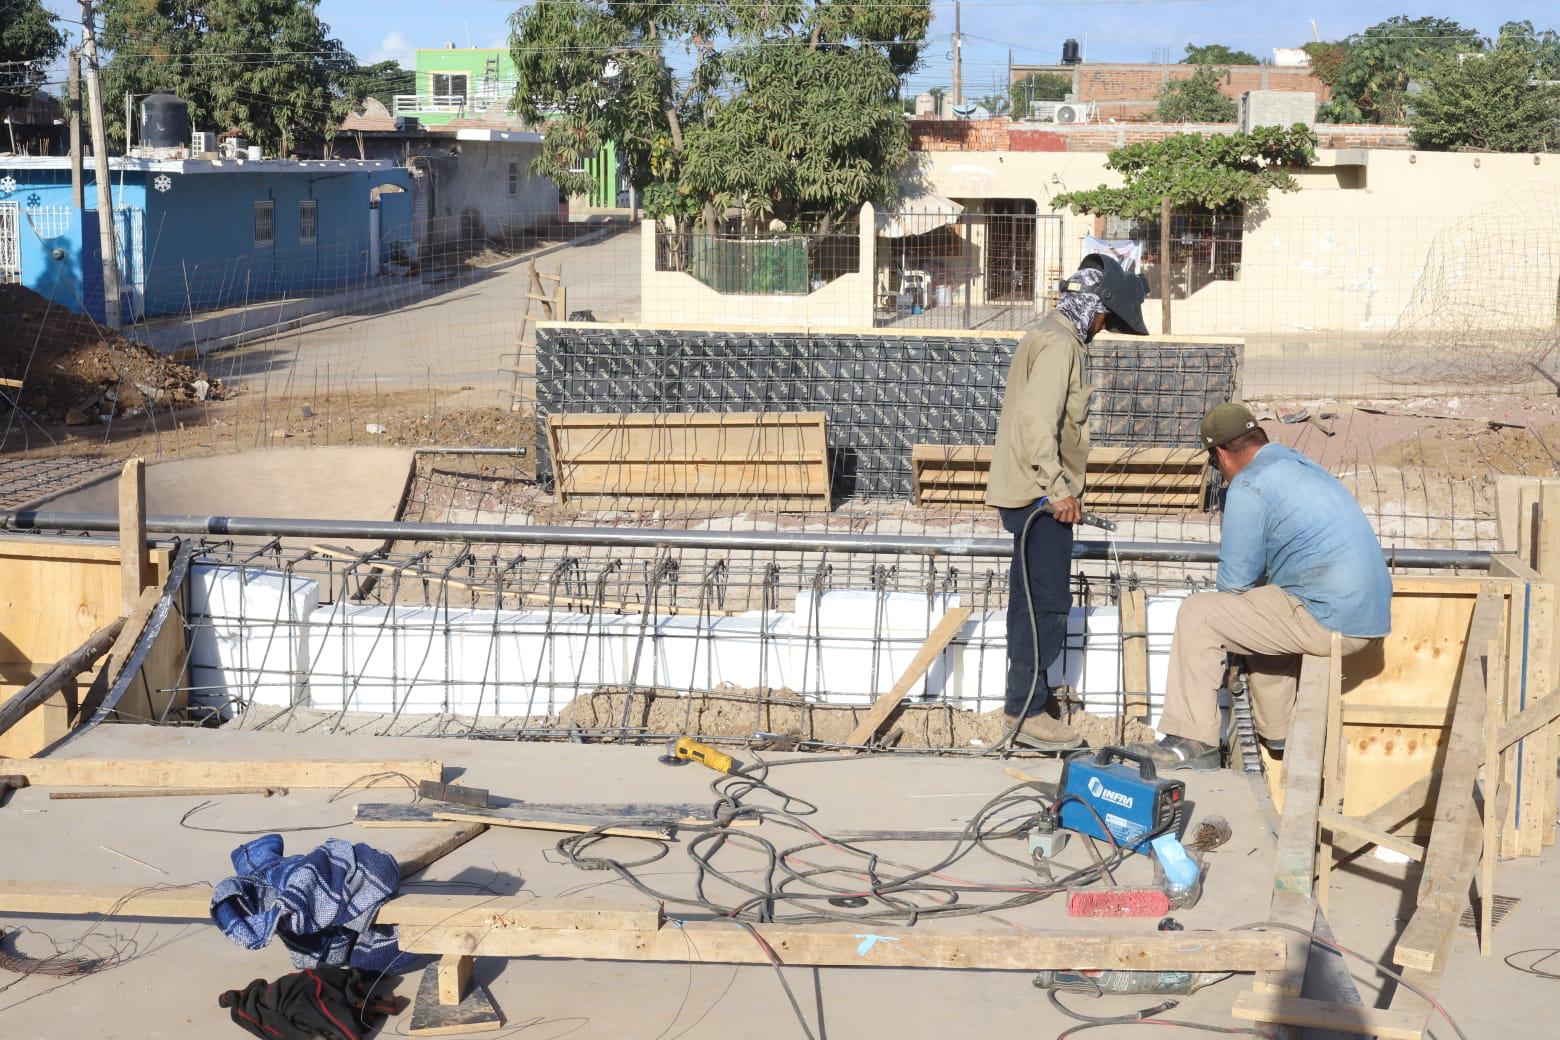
935	644
525	819
51	682
1405	805
1443	892
135	772
135	569
1317	1014
1332	771
1372	835
726	942
443	842
430	1016
454	977
1529	721
1134	652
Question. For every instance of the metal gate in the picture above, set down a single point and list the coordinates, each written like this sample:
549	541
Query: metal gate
10	243
130	251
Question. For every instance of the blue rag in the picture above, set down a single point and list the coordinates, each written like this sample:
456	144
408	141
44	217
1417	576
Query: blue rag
321	904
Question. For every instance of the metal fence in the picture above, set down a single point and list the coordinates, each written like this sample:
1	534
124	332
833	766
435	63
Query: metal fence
781	263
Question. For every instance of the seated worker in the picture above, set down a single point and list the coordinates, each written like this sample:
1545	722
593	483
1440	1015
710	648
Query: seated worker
1298	561
1037	474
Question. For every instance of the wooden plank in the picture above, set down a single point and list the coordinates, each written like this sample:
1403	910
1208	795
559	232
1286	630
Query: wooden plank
446	840
525	819
64	672
1332	771
1134	652
454	977
135	571
1546	561
1534	718
1316	1014
424	814
724	942
1406	804
135	772
413	911
1336	821
1443	892
947	627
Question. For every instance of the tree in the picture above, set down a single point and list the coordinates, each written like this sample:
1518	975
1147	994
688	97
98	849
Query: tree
1196	99
1544	45
1488	101
1038	86
787	111
381	81
994	104
269	68
1217	54
1369	72
29	40
1220	173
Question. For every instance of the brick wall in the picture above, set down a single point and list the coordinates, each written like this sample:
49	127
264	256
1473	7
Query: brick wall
1131	91
1003	135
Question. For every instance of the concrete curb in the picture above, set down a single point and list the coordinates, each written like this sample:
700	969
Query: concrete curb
197	347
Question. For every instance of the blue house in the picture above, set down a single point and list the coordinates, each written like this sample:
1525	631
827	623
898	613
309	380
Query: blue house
199	234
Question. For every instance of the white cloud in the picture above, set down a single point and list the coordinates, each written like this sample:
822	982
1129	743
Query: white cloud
395	47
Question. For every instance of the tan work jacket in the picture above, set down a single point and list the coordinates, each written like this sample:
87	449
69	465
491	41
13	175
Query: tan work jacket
1043	434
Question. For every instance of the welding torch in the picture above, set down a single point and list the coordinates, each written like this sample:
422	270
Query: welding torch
1088	519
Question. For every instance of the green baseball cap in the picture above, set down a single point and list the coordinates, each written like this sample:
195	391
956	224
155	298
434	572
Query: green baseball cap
1224	423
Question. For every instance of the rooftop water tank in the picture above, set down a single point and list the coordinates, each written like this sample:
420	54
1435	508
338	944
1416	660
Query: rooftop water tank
1071	53
165	121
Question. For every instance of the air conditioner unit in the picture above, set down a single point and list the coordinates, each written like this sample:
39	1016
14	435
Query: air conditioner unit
1072	112
202	141
1044	111
233	147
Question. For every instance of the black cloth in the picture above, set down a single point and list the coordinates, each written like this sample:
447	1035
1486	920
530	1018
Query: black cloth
1049	553
314	1004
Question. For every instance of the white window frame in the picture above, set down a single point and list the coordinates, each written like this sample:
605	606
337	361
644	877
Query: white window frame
464	92
514	179
267	207
310	206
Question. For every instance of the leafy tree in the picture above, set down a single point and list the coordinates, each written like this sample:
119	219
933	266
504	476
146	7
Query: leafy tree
1196	99
381	81
269	68
1217	54
29	40
788	111
1038	86
1544	45
1488	101
1220	173
1369	72
994	104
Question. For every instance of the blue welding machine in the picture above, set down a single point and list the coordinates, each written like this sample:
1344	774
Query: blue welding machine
1125	795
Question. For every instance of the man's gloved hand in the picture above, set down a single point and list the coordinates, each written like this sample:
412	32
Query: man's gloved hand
1067	510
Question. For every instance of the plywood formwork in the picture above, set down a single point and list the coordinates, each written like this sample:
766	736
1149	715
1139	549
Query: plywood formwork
54	593
1119	480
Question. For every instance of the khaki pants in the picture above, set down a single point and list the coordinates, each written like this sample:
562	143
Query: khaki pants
1271	628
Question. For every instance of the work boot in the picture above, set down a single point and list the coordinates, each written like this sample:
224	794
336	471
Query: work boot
1043	733
1172	753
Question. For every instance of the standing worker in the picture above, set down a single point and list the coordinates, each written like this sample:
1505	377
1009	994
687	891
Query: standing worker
1298	561
1037	475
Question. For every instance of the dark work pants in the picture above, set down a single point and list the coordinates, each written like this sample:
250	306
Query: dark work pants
1049	554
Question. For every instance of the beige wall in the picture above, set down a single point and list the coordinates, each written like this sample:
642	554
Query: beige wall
1329	257
673	298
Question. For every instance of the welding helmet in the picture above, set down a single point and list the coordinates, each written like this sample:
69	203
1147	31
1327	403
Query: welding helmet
1120	292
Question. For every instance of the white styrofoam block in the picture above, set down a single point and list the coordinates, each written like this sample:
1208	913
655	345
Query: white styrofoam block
704	654
1162	611
849	664
354	655
249	637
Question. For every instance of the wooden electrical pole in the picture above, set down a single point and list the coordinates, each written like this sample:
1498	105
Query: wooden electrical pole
105	196
1164	265
73	95
958	58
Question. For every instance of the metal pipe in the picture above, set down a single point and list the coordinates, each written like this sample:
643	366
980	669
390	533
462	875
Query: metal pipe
655	538
520	451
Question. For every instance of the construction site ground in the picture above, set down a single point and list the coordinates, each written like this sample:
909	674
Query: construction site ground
170	974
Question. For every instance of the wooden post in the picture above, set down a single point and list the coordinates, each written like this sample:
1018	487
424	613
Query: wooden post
1134	652
1490	783
135	567
1546	538
1332	769
454	977
73	103
1164	265
105	197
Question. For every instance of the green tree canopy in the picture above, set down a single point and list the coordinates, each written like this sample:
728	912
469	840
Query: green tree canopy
1488	101
267	67
1196	99
1218	173
1038	86
381	81
789	109
1217	54
29	40
1369	72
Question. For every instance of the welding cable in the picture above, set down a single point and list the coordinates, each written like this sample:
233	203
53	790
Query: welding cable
1395	976
1034	627
1107	1020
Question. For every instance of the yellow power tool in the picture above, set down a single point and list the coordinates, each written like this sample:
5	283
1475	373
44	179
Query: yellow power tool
686	749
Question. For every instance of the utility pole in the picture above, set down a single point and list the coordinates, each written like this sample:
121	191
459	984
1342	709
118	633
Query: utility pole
129	119
105	197
1164	265
73	94
958	57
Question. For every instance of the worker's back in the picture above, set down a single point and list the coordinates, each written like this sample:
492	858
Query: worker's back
1290	523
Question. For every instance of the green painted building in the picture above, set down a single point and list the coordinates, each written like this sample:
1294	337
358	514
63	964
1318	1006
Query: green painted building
458	82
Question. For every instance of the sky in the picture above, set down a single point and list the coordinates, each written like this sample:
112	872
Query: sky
1110	30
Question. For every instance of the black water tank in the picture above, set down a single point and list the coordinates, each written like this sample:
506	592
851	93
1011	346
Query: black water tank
165	121
1071	55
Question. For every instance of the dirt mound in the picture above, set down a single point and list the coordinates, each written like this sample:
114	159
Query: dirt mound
75	371
739	713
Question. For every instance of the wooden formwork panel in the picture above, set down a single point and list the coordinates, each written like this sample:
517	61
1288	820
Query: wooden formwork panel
1120	480
773	460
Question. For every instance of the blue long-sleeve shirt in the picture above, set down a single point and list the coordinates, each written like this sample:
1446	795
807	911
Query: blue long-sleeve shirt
1290	523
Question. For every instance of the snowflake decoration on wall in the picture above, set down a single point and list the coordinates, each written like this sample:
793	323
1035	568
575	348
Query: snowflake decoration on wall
7	184
34	200
163	182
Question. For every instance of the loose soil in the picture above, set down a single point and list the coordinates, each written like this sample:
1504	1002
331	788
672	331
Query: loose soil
76	372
